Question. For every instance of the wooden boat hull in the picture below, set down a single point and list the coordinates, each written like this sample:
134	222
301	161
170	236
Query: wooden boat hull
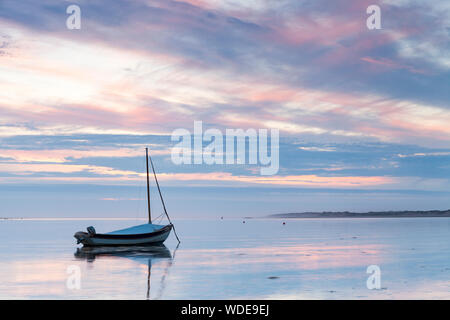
152	238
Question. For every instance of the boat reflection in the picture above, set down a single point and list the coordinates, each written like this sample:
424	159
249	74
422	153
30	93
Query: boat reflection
147	255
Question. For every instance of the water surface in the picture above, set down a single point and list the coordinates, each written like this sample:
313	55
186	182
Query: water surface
229	259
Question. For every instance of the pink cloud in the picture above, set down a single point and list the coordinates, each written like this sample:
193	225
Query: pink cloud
389	64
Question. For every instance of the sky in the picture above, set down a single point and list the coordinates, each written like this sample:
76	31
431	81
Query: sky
363	114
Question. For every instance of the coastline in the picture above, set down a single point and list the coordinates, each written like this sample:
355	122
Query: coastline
371	214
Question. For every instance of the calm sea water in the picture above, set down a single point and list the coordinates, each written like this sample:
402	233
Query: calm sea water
227	259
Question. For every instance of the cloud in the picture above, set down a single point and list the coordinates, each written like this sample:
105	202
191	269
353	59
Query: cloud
425	154
390	64
63	155
149	83
318	149
78	106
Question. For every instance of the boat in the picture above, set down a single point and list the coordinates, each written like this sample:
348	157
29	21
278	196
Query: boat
144	234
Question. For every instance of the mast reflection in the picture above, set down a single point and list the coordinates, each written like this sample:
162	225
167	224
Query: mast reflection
142	254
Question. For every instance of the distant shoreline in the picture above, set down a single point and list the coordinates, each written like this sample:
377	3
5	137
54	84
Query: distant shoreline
372	214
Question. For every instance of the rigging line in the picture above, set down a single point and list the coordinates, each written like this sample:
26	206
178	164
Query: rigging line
162	200
159	218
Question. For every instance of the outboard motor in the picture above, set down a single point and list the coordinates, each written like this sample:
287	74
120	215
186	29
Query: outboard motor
91	230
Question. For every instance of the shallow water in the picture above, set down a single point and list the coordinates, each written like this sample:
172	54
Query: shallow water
227	259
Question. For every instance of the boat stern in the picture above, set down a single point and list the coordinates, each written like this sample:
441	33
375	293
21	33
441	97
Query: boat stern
82	237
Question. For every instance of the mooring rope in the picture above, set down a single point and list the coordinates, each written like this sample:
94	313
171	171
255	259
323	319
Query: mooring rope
162	200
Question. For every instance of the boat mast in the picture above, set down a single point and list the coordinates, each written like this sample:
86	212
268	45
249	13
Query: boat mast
148	188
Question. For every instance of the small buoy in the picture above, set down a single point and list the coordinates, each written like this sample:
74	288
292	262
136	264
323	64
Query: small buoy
284	223
221	218
243	221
